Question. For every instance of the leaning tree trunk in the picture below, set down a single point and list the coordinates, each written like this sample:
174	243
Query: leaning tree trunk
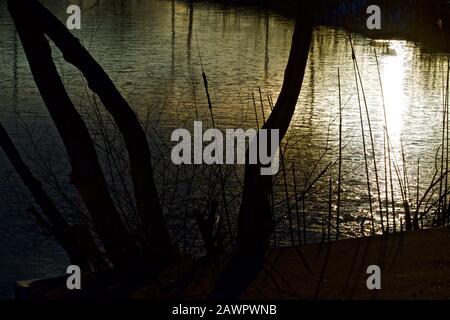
51	219
255	219
149	209
87	175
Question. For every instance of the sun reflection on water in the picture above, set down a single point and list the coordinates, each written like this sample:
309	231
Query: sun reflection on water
392	76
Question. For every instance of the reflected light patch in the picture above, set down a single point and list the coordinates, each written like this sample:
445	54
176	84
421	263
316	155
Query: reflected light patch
392	60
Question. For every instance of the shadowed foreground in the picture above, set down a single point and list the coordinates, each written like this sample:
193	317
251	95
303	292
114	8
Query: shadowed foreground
414	265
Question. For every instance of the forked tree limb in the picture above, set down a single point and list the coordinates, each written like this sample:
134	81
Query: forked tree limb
255	219
146	195
87	175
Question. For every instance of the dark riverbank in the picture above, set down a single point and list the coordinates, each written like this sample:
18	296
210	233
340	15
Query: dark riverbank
415	20
414	265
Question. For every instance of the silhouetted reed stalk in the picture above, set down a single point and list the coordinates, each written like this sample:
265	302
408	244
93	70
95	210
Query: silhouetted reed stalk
330	210
440	205
256	113
391	181
443	185
380	204
406	192
416	213
288	206
338	209
323	230
222	183
386	182
364	150
405	172
297	212
446	209
269	96
441	216
304	219
272	197
262	106
388	149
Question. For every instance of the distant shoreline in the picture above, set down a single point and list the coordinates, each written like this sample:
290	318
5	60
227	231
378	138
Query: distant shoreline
414	20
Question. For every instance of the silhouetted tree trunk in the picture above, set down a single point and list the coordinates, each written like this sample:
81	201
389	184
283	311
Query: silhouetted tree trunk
86	175
255	220
149	209
76	240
